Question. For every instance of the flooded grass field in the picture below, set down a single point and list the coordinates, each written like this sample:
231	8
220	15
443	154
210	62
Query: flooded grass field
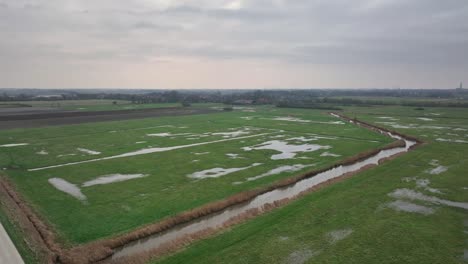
412	209
93	181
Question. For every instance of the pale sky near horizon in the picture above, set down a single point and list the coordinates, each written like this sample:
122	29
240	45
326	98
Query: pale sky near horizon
233	43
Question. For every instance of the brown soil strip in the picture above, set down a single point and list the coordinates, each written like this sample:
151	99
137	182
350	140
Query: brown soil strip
101	250
69	118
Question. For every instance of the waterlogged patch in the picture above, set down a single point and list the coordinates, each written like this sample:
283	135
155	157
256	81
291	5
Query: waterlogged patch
309	138
218	172
232	155
231	134
106	179
65	155
140	142
337	235
438	168
88	151
13	145
146	151
413	195
66	187
42	152
281	169
200	153
166	134
451	140
403	206
388	118
300	256
288	151
329	154
425	119
295	119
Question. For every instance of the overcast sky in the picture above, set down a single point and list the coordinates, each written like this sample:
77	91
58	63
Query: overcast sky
233	43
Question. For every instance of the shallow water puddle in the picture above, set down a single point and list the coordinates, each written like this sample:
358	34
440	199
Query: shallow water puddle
66	187
295	119
218	172
106	179
300	256
404	206
166	134
75	191
231	134
200	153
425	119
88	151
42	152
288	151
329	154
232	155
451	140
147	151
13	145
337	235
413	195
281	169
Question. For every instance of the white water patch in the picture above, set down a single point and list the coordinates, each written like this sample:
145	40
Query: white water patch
218	172
295	119
388	118
424	184
65	155
42	152
435	114
66	187
460	129
281	169
310	138
166	134
146	151
13	145
288	151
88	151
231	134
200	153
404	206
451	140
337	235
232	155
300	256
106	179
247	117
329	154
140	142
438	170
413	195
112	131
425	119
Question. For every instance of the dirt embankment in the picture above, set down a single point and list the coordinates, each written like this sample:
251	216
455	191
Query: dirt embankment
55	118
101	250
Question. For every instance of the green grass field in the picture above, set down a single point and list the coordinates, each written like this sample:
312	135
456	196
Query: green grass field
360	220
166	188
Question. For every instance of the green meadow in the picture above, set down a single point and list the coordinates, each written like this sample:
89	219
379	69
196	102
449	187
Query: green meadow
182	162
364	219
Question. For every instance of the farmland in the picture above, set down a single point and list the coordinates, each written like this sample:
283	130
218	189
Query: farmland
172	180
382	215
95	181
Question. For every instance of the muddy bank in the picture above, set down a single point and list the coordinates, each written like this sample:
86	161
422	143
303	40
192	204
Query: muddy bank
71	117
39	238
